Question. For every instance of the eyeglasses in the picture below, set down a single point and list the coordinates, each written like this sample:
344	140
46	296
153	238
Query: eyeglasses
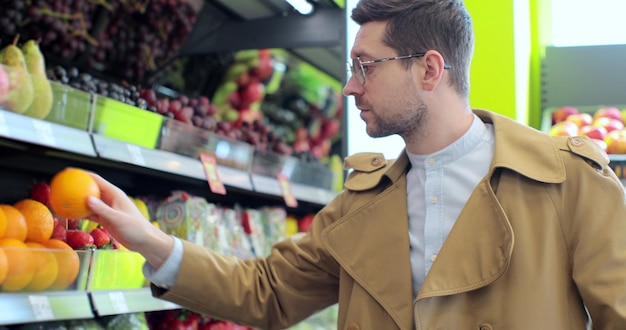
359	75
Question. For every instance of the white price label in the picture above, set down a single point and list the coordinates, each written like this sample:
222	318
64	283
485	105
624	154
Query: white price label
135	155
4	129
118	302
41	307
44	133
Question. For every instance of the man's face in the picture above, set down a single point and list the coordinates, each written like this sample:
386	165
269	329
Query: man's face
389	99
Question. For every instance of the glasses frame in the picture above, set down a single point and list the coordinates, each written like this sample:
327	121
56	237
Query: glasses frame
363	64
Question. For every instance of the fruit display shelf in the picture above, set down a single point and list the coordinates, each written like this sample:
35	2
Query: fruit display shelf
32	292
617	160
108	282
176	150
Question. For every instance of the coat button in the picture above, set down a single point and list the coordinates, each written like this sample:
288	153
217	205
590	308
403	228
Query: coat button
353	326
577	142
485	327
376	162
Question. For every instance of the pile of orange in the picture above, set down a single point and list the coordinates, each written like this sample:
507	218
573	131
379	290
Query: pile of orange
30	260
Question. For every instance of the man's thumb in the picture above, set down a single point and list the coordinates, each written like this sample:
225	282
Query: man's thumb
98	207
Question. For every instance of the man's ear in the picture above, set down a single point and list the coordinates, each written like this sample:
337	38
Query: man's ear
434	69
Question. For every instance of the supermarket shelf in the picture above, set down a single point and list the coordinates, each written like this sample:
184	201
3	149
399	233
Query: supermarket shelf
49	306
30	130
166	161
266	184
127	301
254	173
311	194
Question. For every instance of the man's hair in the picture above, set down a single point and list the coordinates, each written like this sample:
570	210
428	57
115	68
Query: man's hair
421	25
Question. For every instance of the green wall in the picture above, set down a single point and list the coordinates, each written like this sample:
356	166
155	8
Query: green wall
493	66
506	69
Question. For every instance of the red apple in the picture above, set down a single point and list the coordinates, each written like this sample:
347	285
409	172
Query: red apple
305	222
600	144
4	85
332	126
252	92
265	69
243	79
40	192
580	119
609	123
610	112
564	128
563	112
616	142
594	131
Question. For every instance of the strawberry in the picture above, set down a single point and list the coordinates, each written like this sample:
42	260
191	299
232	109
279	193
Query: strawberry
79	240
59	231
73	224
41	193
101	238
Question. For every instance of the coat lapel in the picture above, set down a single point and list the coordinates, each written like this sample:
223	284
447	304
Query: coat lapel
477	250
372	245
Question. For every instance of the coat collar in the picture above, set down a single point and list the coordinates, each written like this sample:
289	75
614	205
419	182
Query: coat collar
372	241
521	149
517	147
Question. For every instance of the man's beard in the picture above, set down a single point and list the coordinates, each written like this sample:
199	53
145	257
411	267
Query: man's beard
407	124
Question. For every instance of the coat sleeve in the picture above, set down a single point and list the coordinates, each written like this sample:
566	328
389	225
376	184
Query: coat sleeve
593	219
297	279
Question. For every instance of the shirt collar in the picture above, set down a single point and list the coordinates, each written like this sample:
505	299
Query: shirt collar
459	148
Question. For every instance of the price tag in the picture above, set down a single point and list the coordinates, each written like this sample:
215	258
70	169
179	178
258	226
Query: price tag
136	156
44	133
41	307
4	129
285	187
212	175
118	302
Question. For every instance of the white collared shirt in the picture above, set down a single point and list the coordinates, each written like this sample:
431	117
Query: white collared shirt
438	186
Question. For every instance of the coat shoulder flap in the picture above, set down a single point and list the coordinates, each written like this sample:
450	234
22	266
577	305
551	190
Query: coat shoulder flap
367	170
584	147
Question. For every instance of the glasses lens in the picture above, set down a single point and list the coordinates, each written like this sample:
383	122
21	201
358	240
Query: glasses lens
357	71
349	70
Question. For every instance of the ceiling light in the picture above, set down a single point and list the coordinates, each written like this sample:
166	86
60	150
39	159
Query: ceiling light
302	6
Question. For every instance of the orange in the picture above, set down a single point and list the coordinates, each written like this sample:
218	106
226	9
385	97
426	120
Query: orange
3	224
21	264
39	221
68	264
4	266
16	223
69	190
46	267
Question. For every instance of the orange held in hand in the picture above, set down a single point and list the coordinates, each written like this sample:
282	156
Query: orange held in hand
69	190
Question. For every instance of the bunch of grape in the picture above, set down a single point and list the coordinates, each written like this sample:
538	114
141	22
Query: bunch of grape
62	26
200	112
141	36
128	94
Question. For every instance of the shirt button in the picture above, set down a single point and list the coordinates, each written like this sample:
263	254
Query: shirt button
431	161
376	161
433	200
433	257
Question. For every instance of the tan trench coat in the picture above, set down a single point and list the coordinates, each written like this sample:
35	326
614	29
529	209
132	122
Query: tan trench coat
544	232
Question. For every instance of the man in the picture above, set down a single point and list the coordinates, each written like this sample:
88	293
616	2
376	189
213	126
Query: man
482	223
